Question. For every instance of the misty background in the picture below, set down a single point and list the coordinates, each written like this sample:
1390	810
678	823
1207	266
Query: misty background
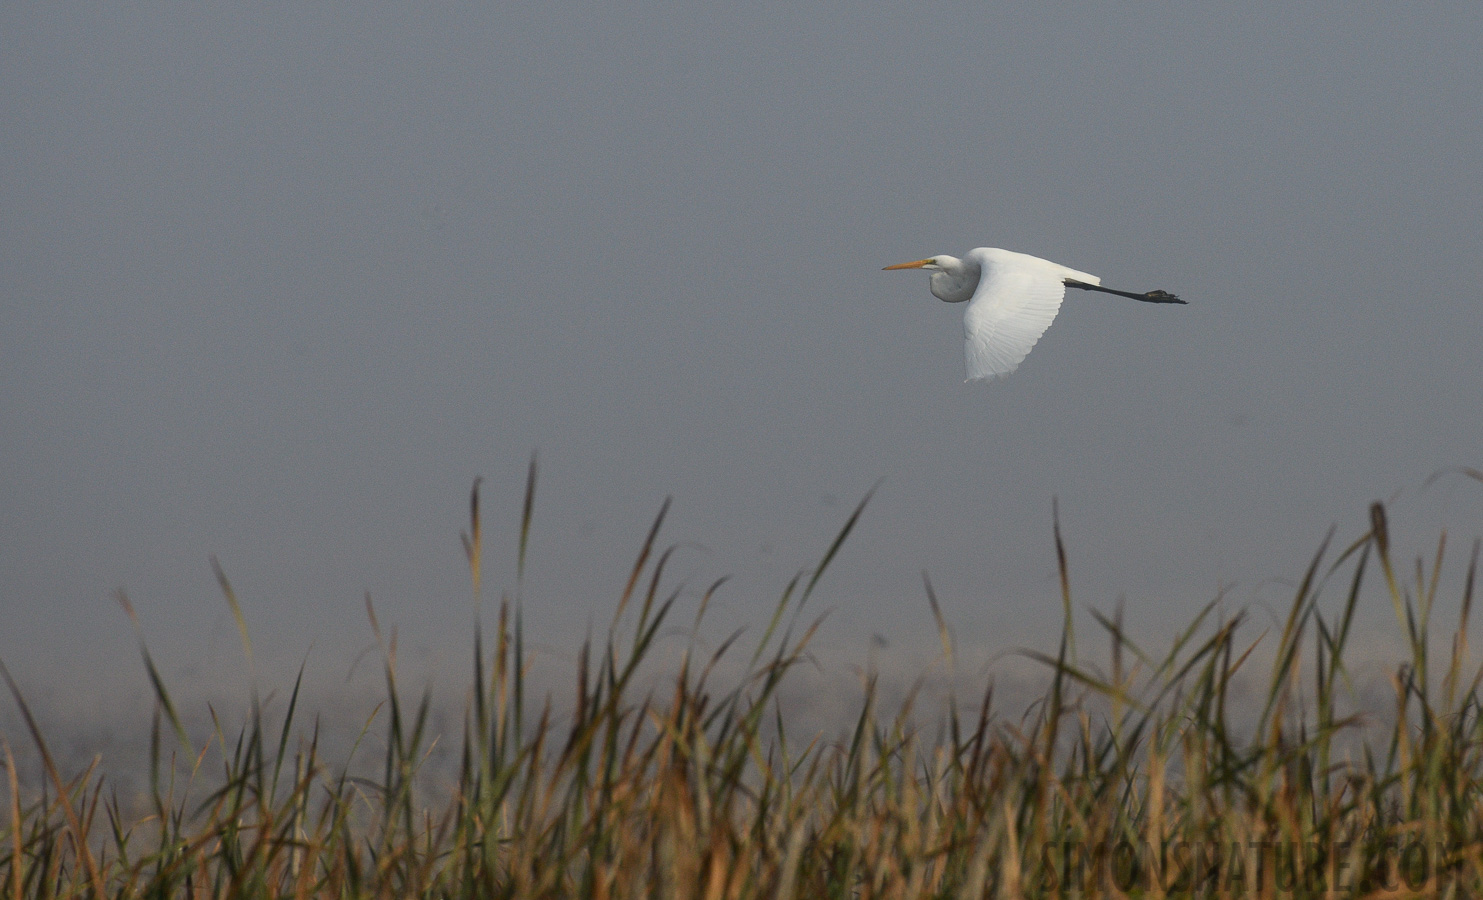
278	281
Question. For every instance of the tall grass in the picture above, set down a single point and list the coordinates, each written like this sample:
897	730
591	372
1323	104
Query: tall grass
1142	779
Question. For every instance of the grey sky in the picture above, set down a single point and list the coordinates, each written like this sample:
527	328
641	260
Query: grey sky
278	280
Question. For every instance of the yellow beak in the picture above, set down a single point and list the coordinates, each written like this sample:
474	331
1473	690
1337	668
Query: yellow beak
911	265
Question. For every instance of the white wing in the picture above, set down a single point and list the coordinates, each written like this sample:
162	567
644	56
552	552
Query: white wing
1018	297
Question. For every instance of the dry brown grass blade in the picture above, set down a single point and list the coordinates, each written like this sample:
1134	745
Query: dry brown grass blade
944	635
16	825
1063	571
473	540
231	597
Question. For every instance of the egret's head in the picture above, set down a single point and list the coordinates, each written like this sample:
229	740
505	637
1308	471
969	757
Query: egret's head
952	280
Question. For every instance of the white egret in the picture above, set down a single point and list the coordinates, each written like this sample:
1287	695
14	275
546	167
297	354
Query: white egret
1012	298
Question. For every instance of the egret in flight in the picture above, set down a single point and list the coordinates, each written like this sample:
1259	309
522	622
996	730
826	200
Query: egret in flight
1012	298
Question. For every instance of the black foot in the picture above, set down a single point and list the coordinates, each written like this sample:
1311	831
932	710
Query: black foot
1160	297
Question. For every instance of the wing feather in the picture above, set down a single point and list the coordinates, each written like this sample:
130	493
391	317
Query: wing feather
1017	299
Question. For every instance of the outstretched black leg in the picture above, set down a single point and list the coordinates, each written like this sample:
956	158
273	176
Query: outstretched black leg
1150	297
